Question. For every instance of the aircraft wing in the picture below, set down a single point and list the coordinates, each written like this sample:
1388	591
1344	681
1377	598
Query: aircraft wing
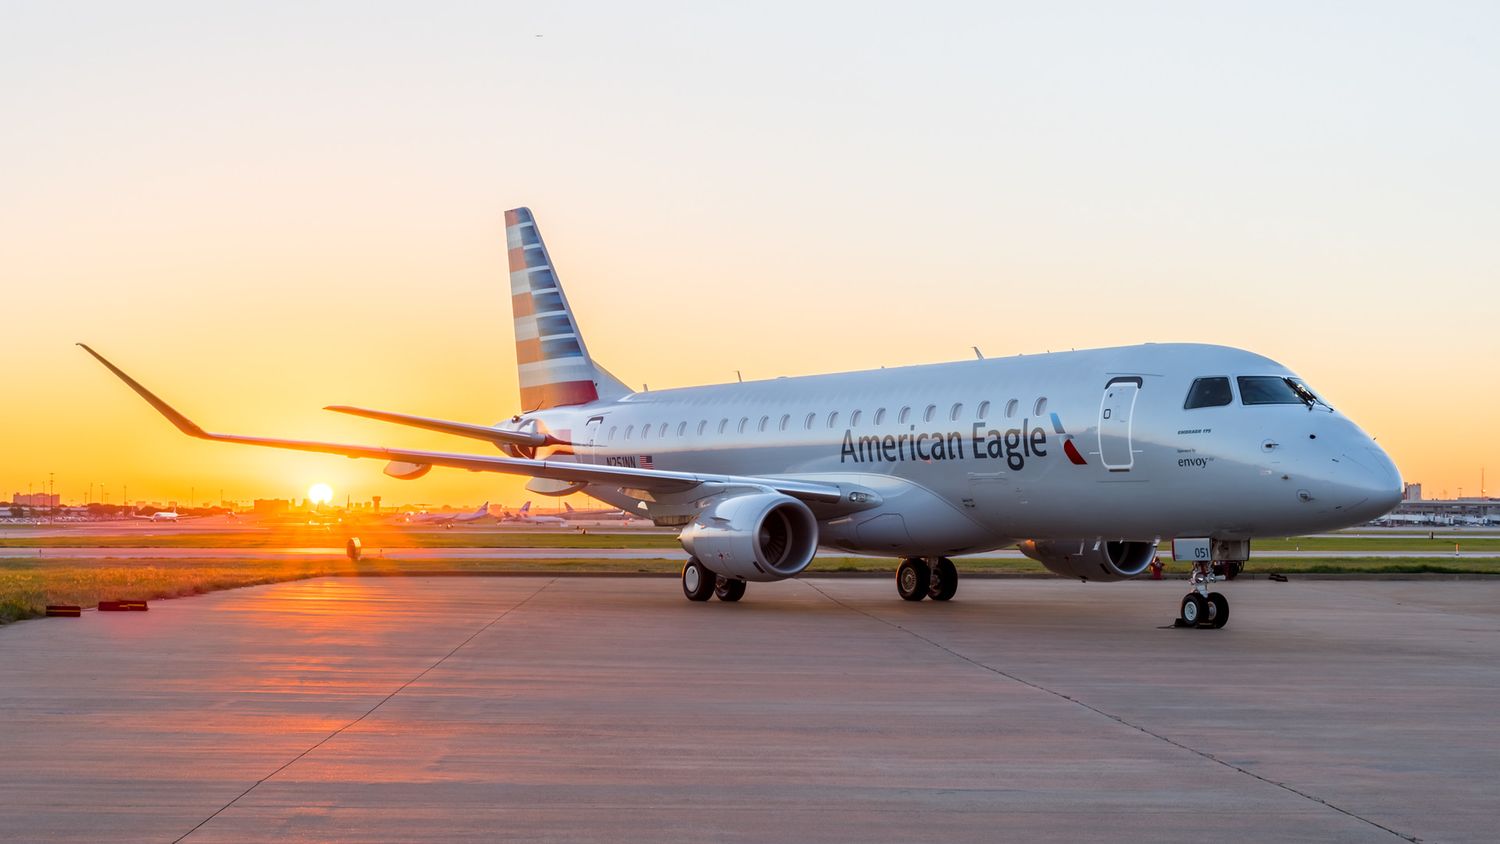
620	476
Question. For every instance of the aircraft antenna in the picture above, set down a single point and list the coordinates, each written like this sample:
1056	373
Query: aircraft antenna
977	354
740	377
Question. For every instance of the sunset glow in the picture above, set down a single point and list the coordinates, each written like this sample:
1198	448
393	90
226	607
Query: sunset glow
259	213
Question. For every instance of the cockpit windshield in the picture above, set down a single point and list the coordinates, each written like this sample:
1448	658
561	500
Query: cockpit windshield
1275	389
1208	392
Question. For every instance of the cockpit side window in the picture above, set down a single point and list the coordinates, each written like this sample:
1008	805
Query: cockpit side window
1270	389
1208	392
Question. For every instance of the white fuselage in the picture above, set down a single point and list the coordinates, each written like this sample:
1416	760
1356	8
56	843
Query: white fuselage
975	455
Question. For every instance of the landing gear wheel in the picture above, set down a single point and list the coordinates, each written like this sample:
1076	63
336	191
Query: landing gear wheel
944	582
1194	609
697	580
729	589
1218	610
913	579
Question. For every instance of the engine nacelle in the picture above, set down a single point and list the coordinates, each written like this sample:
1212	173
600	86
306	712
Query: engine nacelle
1091	559
760	536
407	471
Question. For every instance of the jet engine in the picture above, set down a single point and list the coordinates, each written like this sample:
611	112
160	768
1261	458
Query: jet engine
1091	559
756	536
407	471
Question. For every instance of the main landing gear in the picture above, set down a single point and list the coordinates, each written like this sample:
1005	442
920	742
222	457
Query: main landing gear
917	578
700	584
1200	607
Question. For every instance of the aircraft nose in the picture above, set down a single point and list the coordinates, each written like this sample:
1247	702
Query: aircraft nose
1373	483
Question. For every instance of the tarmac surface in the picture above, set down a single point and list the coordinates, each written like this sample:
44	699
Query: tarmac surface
180	553
611	709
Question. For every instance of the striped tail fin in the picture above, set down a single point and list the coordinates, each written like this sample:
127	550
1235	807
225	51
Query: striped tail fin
554	364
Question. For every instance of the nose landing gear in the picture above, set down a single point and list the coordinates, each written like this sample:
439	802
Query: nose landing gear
1200	607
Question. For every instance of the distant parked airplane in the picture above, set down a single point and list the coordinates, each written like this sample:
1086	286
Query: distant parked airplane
164	516
524	516
610	514
1085	460
452	518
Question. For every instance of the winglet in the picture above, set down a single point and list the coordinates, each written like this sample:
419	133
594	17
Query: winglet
184	424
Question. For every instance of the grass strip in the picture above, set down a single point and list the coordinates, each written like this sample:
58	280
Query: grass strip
27	586
373	537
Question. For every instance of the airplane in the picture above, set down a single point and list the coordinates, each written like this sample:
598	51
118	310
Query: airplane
1085	460
449	519
612	514
163	516
524	516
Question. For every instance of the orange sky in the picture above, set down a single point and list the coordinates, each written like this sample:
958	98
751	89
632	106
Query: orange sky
260	213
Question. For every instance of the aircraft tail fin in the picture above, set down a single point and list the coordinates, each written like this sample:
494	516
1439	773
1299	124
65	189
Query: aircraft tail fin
554	365
525	508
569	506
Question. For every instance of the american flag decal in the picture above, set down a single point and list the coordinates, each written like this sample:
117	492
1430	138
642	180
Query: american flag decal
645	462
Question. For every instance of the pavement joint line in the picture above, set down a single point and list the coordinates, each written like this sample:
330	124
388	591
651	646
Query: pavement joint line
399	689
1111	716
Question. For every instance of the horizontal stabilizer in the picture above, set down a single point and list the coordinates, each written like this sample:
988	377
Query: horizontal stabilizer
461	429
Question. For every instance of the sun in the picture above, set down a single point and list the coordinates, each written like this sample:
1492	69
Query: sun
320	493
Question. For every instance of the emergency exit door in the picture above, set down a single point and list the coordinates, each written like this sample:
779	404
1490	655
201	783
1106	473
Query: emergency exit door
1115	411
591	440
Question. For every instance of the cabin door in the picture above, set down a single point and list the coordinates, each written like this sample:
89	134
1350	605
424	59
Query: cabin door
1117	407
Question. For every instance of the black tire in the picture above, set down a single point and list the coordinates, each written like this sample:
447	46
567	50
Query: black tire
913	579
697	580
1218	610
944	581
729	589
1194	609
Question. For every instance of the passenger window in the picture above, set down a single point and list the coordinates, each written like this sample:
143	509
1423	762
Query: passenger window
810	418
1040	408
612	430
880	416
628	430
984	410
954	413
645	432
662	431
681	428
833	419
931	411
854	419
786	420
702	426
903	416
723	425
764	420
1208	392
744	422
1011	407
